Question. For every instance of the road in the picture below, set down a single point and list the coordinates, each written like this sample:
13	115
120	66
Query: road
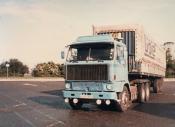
40	104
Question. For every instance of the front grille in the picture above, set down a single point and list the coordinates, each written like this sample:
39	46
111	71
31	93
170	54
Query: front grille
87	86
87	72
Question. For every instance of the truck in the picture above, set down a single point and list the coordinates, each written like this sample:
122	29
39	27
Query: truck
114	67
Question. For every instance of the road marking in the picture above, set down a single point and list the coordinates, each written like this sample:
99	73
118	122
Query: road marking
21	104
55	123
50	117
28	84
36	110
23	118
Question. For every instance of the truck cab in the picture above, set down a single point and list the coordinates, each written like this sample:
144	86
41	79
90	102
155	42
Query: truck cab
96	70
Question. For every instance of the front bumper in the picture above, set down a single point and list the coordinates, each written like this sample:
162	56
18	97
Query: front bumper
90	95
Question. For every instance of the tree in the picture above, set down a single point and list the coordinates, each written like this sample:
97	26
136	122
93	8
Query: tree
61	67
170	65
16	68
49	69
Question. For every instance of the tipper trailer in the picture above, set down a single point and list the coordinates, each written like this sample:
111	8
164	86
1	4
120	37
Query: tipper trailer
113	67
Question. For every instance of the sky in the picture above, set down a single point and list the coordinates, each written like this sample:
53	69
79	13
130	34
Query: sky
36	31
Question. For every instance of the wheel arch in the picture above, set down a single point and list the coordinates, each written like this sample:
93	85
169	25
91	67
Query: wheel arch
128	87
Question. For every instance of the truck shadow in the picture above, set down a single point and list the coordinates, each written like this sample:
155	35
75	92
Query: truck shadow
51	101
52	98
166	110
58	103
54	92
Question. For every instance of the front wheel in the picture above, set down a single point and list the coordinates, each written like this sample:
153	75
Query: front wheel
124	98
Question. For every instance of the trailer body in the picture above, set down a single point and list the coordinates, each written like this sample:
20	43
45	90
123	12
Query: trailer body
145	56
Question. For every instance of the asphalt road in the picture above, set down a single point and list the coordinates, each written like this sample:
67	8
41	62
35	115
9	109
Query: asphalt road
40	104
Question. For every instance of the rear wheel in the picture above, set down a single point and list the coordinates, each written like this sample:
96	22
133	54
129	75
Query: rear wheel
141	93
157	85
160	83
124	103
75	106
147	91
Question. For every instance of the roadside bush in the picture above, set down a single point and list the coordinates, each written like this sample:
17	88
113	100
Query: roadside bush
49	69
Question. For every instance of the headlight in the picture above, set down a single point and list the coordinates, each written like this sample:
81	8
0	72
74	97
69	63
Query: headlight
109	87
67	85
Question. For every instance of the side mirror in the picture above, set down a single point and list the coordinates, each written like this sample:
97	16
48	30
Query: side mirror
62	55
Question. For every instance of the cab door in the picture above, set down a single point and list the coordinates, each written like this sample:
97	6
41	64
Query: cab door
121	63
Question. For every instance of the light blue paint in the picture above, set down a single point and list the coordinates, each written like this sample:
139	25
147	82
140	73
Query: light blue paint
95	39
116	67
95	95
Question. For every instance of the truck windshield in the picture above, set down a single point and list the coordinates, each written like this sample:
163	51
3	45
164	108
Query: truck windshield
90	52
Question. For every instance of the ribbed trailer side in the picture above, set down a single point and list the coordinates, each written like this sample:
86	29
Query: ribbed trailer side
145	57
129	40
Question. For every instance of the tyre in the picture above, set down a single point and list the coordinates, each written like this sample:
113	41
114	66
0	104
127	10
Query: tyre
75	106
160	83
147	91
141	93
157	85
124	98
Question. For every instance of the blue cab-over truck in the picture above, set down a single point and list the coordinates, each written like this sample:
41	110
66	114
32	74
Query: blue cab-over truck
112	68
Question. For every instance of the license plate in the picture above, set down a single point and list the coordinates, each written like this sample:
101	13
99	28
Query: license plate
86	96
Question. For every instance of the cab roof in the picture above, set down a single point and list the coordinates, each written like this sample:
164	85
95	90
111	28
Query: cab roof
94	39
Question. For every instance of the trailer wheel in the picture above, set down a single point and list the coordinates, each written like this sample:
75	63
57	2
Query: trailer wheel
147	91
123	105
141	93
157	85
160	83
75	106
